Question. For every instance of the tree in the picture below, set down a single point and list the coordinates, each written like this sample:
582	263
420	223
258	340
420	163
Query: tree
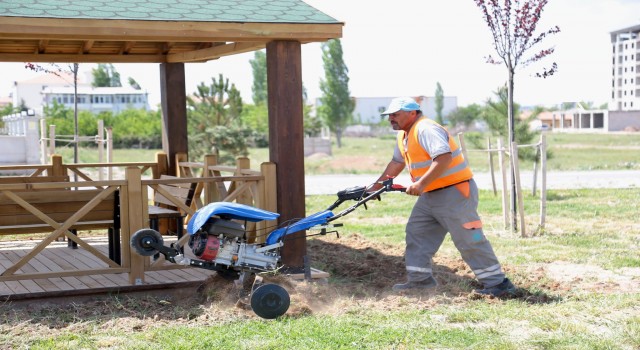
105	76
465	115
134	84
513	25
259	69
495	115
336	106
214	120
257	116
439	103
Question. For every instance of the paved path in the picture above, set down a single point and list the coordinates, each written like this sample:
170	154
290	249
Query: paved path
331	184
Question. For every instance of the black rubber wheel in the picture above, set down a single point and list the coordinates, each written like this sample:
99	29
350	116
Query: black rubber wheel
143	240
270	301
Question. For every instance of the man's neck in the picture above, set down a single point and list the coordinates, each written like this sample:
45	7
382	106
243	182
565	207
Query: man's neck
417	117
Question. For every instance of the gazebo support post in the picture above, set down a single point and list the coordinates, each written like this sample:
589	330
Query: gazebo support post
286	143
174	111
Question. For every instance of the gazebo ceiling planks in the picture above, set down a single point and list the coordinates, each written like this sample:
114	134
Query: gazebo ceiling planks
153	31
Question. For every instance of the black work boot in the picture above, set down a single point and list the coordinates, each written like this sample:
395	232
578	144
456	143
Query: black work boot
502	289
428	283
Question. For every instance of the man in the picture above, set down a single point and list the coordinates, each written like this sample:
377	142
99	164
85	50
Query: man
447	201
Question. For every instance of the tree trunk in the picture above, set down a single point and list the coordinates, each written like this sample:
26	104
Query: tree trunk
75	117
512	138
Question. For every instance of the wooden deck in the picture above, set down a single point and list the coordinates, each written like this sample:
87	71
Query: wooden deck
58	257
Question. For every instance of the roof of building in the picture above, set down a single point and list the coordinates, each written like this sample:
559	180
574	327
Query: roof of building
280	11
89	90
153	31
62	78
632	29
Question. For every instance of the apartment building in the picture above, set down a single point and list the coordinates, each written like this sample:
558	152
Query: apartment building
625	79
43	90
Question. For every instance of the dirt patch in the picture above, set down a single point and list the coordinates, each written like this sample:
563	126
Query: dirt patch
362	273
594	278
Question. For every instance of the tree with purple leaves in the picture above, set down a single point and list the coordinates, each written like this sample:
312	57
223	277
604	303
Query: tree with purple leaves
513	24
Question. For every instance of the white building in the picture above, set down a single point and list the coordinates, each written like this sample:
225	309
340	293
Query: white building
368	109
43	90
625	80
99	99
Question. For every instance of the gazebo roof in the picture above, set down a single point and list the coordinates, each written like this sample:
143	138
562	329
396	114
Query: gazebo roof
153	31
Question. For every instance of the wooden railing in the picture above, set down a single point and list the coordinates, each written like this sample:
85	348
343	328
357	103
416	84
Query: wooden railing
213	183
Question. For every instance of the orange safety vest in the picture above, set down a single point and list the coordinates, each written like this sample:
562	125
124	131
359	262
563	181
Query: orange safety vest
418	160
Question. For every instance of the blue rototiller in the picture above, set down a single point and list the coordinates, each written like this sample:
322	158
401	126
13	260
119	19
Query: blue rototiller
219	241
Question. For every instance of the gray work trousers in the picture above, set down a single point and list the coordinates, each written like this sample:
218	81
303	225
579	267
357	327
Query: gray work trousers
449	210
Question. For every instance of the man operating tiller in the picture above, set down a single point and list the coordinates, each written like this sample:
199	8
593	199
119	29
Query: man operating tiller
447	201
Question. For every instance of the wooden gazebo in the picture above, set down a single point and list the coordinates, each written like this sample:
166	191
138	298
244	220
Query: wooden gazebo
172	33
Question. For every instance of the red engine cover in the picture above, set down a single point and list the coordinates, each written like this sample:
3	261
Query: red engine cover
211	248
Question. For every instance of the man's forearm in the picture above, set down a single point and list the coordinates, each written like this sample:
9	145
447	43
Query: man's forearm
393	169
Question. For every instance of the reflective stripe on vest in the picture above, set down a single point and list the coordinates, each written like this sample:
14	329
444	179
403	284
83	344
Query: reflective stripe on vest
418	161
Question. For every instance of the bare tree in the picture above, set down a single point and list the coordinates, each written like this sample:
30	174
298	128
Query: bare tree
513	26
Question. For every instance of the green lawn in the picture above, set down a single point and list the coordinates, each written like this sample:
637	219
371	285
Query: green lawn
370	155
578	279
579	289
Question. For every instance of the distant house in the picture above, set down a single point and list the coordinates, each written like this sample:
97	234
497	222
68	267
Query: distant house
47	88
595	120
29	91
368	109
99	99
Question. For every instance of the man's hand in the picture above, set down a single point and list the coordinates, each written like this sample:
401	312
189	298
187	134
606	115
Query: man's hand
415	189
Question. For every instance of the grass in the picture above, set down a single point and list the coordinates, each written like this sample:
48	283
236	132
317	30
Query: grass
588	313
370	155
579	279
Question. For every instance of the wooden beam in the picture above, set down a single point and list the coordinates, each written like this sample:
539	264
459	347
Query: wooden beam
286	146
166	47
88	58
139	30
215	52
126	47
87	46
174	112
42	45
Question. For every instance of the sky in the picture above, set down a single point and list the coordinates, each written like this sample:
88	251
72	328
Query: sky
407	47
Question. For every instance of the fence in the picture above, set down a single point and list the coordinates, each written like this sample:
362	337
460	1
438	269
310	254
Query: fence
243	185
510	154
